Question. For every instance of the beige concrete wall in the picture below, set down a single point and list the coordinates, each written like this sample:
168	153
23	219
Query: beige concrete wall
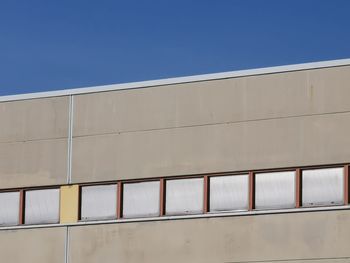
33	163
33	142
211	126
298	237
35	119
218	101
276	120
33	245
320	139
269	121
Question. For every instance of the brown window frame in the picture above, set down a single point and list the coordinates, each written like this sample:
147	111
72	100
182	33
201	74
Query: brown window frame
206	187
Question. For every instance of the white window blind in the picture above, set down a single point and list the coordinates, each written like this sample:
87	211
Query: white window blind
323	187
9	208
42	206
184	196
275	190
141	199
229	193
99	202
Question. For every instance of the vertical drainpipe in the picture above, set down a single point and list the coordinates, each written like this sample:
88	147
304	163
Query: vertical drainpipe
70	139
66	246
69	167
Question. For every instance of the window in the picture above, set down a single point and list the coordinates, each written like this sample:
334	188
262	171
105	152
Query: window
229	193
42	206
184	196
99	202
141	199
275	190
9	212
323	187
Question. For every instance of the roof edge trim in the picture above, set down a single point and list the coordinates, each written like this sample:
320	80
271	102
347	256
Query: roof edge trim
179	80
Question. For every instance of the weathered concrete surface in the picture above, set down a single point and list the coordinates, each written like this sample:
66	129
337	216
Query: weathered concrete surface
33	245
33	142
270	121
307	92
307	140
33	163
35	119
234	124
299	236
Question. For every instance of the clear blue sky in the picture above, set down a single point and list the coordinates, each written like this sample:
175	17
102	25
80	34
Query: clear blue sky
50	45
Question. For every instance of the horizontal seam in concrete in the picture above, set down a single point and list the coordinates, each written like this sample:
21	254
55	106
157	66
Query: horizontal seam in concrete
33	140
209	124
288	260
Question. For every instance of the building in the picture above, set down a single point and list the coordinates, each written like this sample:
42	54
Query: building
245	166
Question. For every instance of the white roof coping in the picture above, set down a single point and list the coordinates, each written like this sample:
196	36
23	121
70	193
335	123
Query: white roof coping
179	80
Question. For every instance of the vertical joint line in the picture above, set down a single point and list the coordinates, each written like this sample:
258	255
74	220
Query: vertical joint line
162	198
346	184
251	191
298	187
70	139
206	195
120	200
66	247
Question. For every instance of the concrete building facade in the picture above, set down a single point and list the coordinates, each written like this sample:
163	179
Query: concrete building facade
244	166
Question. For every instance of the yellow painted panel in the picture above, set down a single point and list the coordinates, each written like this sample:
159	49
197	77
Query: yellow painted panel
69	204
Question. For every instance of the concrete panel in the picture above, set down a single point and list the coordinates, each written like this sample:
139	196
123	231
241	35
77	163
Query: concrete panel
33	245
33	163
308	140
34	119
219	101
262	238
